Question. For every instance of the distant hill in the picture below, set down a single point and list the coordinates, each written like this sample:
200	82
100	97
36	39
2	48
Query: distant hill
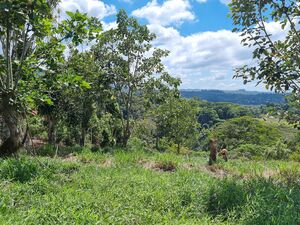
241	97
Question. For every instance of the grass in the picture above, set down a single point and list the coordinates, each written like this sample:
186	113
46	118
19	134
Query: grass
136	187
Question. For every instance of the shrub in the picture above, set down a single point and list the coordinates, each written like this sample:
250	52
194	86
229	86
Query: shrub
278	151
250	150
135	143
245	130
295	157
144	131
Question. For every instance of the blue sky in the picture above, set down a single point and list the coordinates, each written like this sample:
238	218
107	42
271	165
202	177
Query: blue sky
204	51
211	15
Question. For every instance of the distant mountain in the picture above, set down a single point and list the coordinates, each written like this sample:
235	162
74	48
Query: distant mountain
241	96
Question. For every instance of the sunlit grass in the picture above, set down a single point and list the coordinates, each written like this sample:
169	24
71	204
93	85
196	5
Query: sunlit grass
137	187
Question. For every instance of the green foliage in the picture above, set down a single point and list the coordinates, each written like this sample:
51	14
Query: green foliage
295	156
126	58
145	130
277	66
19	169
130	187
214	112
250	151
276	63
278	151
225	197
176	120
32	57
24	169
245	130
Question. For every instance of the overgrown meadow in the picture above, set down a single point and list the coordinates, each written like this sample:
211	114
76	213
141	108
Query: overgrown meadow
141	187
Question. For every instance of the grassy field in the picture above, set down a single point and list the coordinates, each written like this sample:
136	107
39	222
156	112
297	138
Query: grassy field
137	187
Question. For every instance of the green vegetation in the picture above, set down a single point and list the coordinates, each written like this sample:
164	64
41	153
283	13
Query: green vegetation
136	187
102	135
241	97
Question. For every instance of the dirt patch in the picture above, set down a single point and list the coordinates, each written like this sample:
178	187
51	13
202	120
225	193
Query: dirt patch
103	164
70	158
188	166
158	166
106	163
216	171
213	170
269	173
147	164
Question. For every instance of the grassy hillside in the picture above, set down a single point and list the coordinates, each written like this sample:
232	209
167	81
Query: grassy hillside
139	187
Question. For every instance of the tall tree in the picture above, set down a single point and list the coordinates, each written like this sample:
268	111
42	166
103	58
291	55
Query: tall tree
177	120
31	43
128	57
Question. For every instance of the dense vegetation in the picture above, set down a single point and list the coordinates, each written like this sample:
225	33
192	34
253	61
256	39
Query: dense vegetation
94	130
238	97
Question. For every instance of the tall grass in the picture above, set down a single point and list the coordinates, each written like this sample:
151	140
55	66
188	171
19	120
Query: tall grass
88	190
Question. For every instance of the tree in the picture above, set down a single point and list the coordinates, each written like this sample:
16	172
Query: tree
31	44
277	61
245	130
208	117
176	120
292	114
128	58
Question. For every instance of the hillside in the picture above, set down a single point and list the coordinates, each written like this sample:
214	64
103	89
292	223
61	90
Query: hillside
137	187
241	97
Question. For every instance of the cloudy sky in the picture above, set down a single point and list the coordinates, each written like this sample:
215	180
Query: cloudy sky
204	51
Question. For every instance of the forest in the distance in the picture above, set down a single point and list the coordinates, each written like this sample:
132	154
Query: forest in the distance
94	128
241	97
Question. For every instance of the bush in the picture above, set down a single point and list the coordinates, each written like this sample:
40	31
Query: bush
144	131
278	151
295	157
245	130
135	143
250	150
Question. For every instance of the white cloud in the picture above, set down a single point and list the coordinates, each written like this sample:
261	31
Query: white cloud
226	2
274	28
92	7
208	59
202	59
170	12
201	1
108	26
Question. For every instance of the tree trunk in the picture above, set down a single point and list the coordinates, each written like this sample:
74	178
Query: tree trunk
83	135
16	127
51	130
178	148
126	136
